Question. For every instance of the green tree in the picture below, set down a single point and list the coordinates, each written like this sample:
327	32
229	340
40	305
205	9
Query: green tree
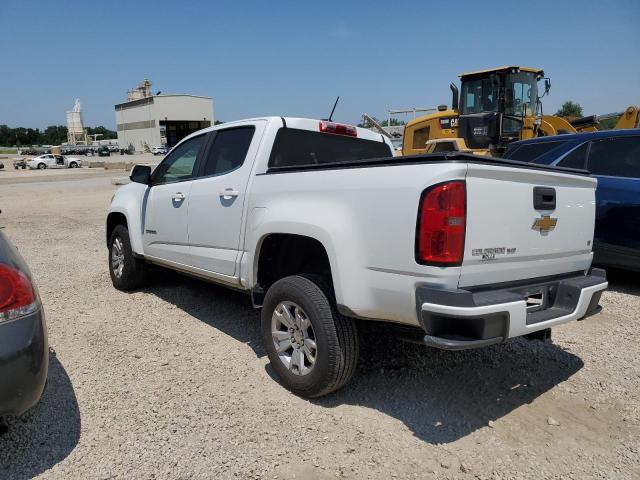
105	132
394	123
570	109
52	135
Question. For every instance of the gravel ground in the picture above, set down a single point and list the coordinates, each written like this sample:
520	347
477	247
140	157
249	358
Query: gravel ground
172	382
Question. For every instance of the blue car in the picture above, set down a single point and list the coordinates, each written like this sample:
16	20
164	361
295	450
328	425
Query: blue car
613	156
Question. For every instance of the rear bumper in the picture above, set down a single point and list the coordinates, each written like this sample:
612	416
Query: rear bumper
24	362
463	319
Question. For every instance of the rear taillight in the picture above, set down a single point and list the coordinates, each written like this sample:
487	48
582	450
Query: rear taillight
441	224
338	129
17	295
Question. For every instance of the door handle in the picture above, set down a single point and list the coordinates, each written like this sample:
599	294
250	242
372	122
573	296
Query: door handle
229	192
178	196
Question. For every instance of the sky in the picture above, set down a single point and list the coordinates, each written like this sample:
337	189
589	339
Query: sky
293	58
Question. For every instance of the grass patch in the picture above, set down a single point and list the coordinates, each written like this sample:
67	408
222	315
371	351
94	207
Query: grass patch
8	151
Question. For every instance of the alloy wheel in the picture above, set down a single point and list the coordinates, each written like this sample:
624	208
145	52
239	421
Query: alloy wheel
117	257
294	338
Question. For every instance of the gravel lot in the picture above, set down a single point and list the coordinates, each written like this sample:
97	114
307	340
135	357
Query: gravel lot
172	382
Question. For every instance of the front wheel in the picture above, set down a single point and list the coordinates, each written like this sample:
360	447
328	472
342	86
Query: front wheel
127	272
312	348
73	165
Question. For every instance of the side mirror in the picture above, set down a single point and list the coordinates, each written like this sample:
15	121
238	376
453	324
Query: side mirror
141	174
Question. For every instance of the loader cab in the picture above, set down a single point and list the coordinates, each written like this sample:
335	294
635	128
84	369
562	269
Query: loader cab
498	106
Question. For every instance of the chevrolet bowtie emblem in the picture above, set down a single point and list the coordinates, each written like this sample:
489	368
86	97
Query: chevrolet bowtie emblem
544	224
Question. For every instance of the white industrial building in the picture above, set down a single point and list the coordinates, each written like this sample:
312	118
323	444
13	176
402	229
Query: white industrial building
146	121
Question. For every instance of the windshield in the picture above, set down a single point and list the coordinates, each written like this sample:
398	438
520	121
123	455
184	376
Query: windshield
521	94
480	95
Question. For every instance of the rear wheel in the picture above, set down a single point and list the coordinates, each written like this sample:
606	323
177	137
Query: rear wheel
312	348
127	272
42	166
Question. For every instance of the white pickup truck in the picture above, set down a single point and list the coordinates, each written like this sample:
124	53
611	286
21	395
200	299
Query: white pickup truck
325	228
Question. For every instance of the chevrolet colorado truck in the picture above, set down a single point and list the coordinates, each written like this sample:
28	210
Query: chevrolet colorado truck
324	228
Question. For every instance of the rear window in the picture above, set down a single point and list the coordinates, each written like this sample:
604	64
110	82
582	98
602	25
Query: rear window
295	148
529	152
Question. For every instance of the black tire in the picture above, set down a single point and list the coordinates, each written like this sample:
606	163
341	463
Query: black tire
336	336
134	270
73	165
42	166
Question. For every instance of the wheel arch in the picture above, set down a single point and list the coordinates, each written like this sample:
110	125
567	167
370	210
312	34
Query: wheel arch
281	254
114	219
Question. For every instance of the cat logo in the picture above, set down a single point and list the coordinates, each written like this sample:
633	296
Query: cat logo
544	224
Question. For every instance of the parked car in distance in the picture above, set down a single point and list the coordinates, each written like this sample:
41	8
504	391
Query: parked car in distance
24	351
613	156
324	227
159	150
50	160
113	148
104	151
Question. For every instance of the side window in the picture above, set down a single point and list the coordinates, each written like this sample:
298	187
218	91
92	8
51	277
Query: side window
576	158
228	151
529	152
510	151
616	157
180	164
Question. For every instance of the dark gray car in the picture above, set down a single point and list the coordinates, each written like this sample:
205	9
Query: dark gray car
24	351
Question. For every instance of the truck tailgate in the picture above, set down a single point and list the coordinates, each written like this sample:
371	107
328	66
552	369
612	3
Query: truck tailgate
524	223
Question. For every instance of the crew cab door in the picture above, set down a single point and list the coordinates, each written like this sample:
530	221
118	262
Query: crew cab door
165	214
217	198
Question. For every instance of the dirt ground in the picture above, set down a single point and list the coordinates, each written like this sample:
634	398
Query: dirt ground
172	381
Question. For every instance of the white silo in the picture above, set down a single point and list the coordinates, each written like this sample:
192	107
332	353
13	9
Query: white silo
76	134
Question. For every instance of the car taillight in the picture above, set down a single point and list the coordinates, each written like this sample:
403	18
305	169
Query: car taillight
338	129
441	224
17	295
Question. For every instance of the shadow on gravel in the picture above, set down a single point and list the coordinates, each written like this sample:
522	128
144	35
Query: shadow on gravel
227	310
441	396
46	434
623	281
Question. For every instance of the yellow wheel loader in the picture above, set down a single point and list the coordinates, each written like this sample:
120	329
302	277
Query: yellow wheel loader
494	107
